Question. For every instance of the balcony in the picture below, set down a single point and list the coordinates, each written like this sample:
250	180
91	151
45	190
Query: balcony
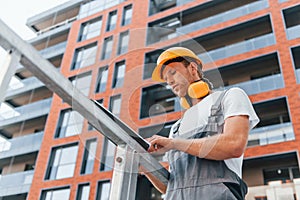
29	111
271	134
17	183
21	145
186	22
54	50
264	84
239	48
25	85
293	32
275	190
223	17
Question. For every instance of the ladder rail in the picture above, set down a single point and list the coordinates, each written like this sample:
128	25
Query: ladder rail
60	85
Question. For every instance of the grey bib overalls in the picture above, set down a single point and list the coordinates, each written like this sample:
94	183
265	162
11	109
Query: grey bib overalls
194	178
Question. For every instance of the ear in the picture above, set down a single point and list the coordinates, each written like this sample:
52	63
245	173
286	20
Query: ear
193	69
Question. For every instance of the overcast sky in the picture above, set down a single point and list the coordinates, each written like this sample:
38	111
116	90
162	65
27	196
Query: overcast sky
15	13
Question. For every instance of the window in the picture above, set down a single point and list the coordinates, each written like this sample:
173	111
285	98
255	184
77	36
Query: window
108	154
107	48
56	194
82	82
119	74
84	56
101	79
89	157
115	105
157	100
296	59
103	190
112	21
150	63
127	15
83	192
62	162
90	29
123	43
70	123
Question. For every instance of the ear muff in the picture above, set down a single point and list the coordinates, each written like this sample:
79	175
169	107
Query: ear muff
198	89
185	103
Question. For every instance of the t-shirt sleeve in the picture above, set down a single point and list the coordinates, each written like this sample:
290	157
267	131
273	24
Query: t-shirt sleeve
236	102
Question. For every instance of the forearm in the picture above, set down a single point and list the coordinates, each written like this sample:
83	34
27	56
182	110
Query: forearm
229	144
216	147
157	184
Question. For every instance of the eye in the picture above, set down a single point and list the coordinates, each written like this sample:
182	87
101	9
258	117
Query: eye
172	71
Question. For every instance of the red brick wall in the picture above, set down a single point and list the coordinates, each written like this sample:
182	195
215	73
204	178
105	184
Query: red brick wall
131	90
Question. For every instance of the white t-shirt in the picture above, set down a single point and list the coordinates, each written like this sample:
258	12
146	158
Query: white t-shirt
235	102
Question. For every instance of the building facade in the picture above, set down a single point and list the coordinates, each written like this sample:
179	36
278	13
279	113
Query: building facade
108	49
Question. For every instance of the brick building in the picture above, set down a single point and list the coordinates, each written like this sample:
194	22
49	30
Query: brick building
108	49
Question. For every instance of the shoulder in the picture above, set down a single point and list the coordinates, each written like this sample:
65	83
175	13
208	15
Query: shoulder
235	91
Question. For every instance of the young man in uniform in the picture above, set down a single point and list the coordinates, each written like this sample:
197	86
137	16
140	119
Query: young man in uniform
205	147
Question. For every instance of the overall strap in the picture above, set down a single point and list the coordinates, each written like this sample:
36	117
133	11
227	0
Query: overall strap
218	104
216	118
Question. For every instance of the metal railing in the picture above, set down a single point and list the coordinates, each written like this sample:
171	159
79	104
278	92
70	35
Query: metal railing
260	85
223	17
16	183
24	85
21	145
271	134
275	190
54	50
239	48
26	112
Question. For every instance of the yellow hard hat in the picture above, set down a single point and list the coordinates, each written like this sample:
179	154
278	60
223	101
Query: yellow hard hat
169	54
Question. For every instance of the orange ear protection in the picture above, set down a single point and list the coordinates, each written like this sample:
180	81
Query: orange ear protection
196	90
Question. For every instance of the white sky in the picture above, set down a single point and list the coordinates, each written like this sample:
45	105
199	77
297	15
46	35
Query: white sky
15	13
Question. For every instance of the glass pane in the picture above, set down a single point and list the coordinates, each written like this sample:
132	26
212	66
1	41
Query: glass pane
69	155
105	191
83	192
61	194
65	171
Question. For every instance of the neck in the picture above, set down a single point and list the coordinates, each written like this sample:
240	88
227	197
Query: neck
195	101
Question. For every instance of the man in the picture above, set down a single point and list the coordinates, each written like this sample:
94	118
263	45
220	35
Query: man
205	147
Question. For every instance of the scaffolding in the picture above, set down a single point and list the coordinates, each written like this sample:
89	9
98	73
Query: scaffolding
130	153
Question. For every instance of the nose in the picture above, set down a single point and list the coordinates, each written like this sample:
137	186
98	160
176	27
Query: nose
170	79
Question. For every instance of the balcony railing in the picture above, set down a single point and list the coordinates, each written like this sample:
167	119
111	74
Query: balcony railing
21	145
27	84
157	34
293	32
223	17
271	134
28	111
54	50
239	48
17	183
275	190
96	6
264	84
